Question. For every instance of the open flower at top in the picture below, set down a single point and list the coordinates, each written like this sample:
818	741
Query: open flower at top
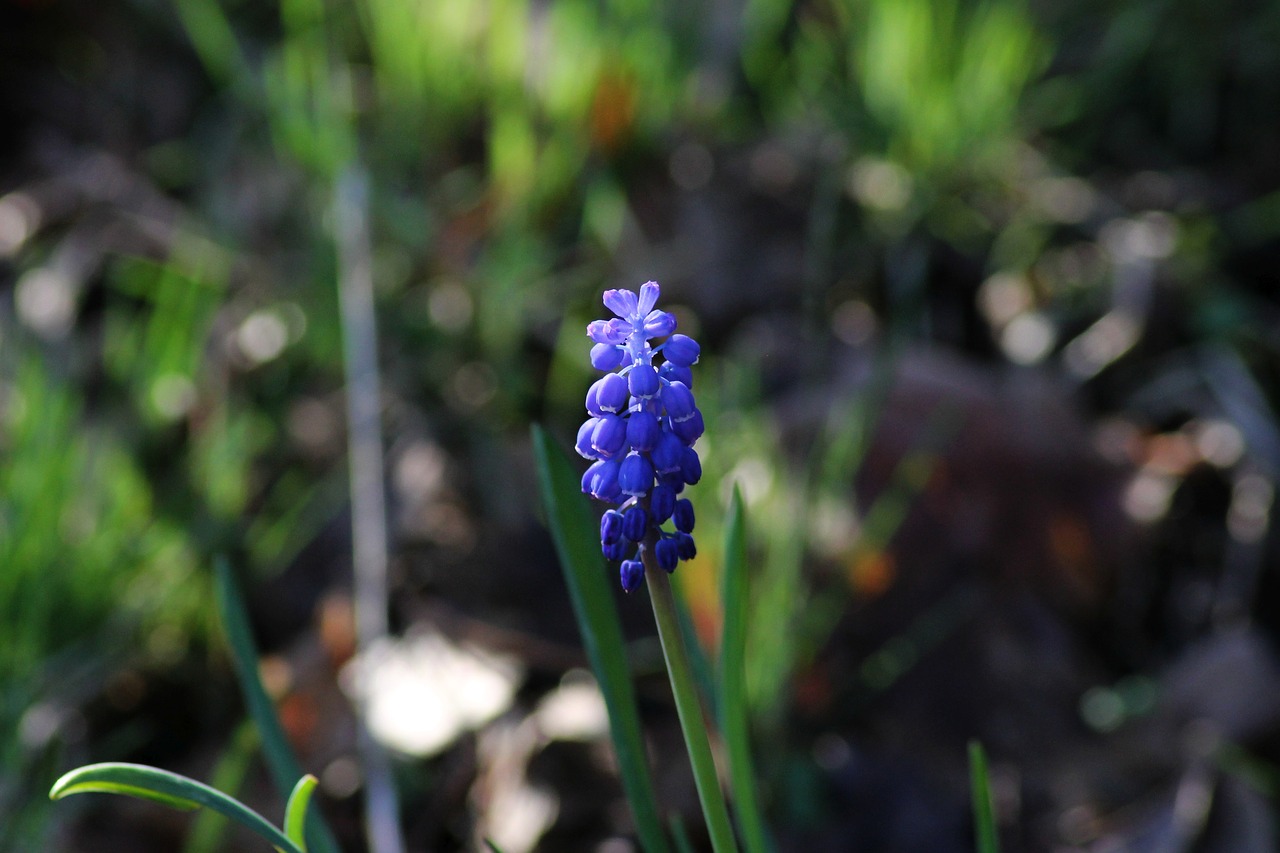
642	425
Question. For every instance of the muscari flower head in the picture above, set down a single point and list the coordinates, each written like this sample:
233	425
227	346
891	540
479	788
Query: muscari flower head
642	425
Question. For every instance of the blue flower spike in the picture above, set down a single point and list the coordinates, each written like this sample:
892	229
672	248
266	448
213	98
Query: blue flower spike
642	425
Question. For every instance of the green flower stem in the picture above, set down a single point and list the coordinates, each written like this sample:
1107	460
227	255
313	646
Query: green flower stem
687	706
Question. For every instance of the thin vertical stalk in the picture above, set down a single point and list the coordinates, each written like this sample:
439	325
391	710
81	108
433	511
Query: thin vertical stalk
692	722
368	502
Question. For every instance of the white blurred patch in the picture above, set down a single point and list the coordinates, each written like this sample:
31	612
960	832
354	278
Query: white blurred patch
341	778
1028	338
1152	236
512	813
880	184
46	302
1218	442
573	711
833	527
1102	343
173	395
1003	296
262	336
1250	512
19	219
1148	496
419	472
421	692
753	477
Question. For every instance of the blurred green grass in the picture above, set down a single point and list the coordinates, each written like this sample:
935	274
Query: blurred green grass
168	398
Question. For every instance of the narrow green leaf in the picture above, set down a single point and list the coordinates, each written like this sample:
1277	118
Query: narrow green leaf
295	813
495	848
679	834
984	811
732	682
275	745
170	789
576	536
228	776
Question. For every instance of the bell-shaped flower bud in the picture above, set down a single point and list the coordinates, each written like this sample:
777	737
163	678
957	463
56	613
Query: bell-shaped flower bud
583	444
685	547
649	292
684	515
593	401
667	553
635	523
601	480
678	400
608	331
643	431
643	381
610	527
606	356
631	574
659	323
635	477
681	350
610	393
676	373
616	551
667	453
690	428
624	303
690	466
662	503
609	436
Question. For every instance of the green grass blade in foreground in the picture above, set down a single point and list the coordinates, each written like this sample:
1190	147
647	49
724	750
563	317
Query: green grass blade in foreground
295	813
733	689
170	789
284	767
984	812
577	537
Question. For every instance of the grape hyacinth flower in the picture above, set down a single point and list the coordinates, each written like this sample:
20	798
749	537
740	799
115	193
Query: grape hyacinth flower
642	425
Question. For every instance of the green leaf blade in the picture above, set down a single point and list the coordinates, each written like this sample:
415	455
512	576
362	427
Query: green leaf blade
279	756
295	813
574	530
170	789
732	702
984	811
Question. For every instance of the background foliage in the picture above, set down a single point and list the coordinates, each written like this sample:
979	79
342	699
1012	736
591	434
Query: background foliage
987	290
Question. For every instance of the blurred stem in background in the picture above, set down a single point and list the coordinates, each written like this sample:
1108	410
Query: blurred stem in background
368	489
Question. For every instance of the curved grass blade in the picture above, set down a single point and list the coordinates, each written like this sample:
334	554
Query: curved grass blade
984	811
275	745
733	687
575	533
295	813
170	789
